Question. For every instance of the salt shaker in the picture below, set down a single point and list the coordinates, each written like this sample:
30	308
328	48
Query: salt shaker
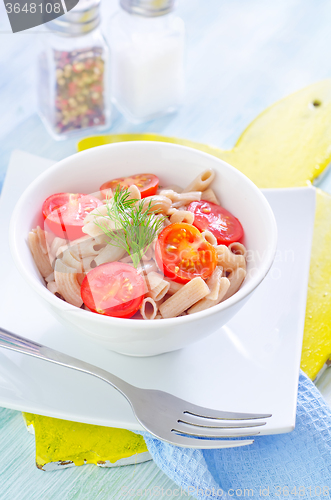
73	73
146	42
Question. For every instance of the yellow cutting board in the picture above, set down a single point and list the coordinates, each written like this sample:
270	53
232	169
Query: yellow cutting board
287	145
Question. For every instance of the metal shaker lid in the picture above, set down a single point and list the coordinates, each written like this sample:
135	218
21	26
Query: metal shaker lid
148	8
82	19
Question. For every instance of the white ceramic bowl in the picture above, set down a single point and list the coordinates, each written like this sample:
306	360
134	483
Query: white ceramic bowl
85	172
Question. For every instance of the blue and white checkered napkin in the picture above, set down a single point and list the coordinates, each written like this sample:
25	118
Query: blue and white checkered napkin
294	465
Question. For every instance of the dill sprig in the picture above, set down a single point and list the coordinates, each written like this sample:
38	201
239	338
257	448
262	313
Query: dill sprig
135	225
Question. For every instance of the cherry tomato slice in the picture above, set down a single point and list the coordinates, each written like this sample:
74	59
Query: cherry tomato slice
146	183
219	221
64	213
113	289
183	254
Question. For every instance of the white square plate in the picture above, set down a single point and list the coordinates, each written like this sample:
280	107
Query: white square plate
250	365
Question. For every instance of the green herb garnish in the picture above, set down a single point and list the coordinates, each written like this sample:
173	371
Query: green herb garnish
135	224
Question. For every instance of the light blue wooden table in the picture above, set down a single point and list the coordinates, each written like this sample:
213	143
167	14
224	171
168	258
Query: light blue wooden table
242	55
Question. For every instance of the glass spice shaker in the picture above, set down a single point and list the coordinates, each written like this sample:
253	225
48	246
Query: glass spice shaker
147	59
73	73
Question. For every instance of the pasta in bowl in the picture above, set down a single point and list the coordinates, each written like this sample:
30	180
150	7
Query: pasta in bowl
172	253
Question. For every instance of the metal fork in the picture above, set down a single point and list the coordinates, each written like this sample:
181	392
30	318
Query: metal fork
165	416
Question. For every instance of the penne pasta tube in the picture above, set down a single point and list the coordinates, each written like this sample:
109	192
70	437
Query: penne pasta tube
49	278
182	216
209	195
52	287
174	286
99	217
157	286
109	253
209	237
206	303
169	193
158	204
88	263
201	182
237	248
148	308
66	279
214	283
71	261
189	294
134	193
93	228
236	278
228	260
39	254
54	247
148	254
147	267
186	198
85	246
97	212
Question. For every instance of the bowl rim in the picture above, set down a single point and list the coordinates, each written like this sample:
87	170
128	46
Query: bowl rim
42	290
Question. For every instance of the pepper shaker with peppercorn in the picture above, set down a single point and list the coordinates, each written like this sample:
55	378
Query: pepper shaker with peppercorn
73	71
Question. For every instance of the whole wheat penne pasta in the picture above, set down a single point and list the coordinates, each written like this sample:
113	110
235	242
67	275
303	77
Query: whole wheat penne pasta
228	260
158	204
171	211
147	267
209	195
169	193
64	264
208	236
67	282
134	193
42	239
201	182
148	254
206	303
157	286
236	277
88	263
40	257
98	221
52	287
214	283
237	248
49	278
54	247
174	286
148	308
127	259
110	253
71	261
98	226
85	246
98	211
182	216
186	198
192	292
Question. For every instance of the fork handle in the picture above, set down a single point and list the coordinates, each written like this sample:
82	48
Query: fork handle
14	342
